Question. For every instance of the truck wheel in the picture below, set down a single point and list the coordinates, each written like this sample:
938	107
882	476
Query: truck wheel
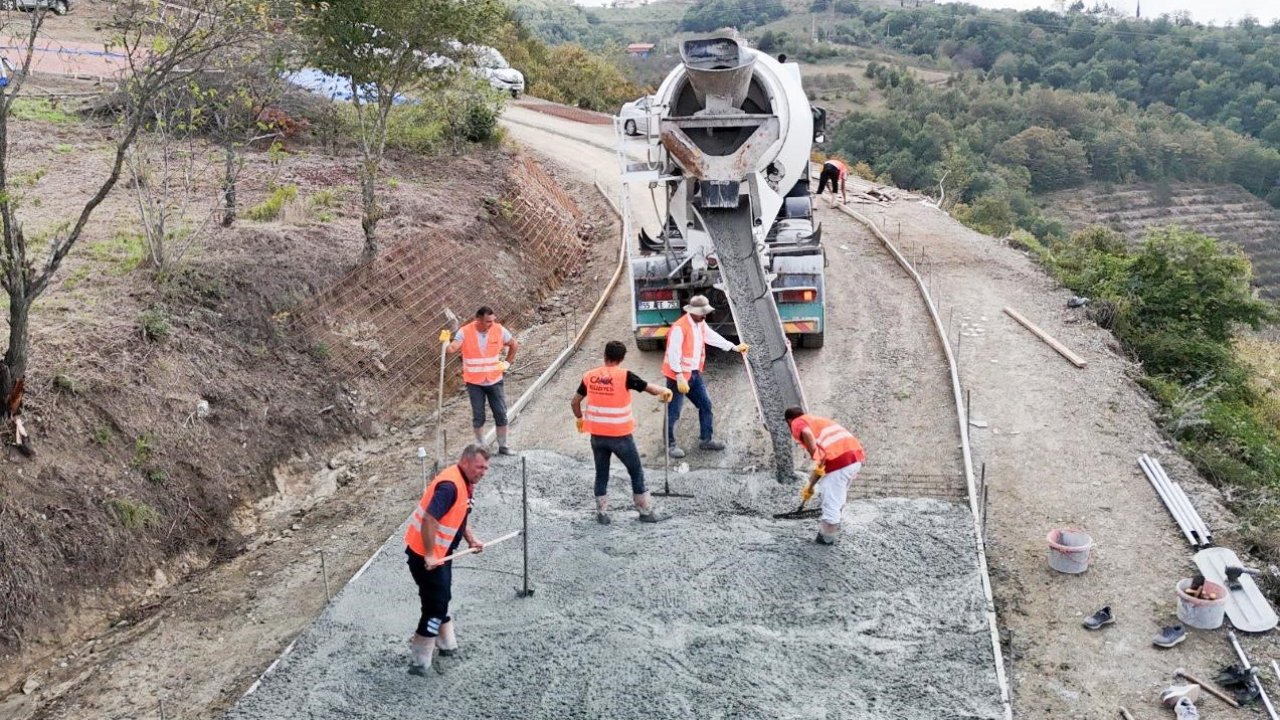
812	341
629	127
649	344
515	94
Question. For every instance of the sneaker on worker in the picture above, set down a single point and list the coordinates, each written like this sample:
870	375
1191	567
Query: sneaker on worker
711	445
603	518
1169	636
504	450
824	540
417	668
1184	709
1176	694
1100	618
675	452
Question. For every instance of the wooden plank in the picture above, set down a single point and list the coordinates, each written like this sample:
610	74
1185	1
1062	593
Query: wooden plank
1063	350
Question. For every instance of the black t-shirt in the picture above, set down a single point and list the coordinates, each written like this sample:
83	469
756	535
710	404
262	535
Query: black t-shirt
634	382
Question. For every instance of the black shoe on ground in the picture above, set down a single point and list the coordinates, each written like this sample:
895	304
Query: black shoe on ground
711	445
504	450
603	518
823	540
1169	636
653	516
1100	618
418	670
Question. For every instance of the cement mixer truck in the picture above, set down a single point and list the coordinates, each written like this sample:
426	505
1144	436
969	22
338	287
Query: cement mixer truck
726	163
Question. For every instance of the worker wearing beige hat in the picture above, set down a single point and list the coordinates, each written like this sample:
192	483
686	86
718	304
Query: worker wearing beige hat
686	355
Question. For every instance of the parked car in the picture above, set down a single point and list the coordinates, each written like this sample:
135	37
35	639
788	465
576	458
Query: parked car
635	116
59	7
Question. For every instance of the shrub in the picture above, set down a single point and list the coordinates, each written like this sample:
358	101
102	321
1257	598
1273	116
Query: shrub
154	324
133	515
271	208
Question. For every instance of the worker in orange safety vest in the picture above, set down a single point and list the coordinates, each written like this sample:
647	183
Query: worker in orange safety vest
483	368
436	527
837	460
682	365
835	172
608	419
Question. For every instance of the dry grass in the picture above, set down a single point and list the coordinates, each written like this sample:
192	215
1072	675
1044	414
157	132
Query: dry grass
1262	357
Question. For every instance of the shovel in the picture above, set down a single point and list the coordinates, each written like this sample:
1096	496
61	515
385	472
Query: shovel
666	464
800	513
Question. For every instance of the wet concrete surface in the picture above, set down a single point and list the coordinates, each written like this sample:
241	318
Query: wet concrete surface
719	612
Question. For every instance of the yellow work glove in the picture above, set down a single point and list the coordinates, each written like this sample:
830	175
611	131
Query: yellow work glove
806	494
683	387
503	365
582	424
446	337
666	396
742	348
819	470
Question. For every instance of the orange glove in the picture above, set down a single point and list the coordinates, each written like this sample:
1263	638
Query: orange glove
806	494
582	424
666	396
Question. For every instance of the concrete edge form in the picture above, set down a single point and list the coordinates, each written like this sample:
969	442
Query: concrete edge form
1005	697
524	400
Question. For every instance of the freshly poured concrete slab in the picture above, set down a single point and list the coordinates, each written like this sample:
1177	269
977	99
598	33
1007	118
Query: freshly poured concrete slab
719	612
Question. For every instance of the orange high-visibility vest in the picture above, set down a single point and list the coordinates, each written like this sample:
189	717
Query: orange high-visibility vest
480	364
608	410
832	439
685	323
449	524
839	165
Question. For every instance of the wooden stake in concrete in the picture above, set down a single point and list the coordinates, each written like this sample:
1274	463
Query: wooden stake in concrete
1063	350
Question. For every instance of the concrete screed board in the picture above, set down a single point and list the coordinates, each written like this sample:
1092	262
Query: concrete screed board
719	612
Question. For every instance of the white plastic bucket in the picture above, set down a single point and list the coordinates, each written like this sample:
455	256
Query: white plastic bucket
1202	613
1069	550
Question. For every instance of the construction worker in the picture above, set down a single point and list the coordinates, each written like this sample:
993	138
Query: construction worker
685	358
837	459
481	342
834	171
436	527
607	417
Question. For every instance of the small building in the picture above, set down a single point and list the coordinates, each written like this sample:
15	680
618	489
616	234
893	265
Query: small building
640	50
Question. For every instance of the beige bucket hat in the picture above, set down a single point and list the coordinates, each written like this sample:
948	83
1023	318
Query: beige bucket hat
699	305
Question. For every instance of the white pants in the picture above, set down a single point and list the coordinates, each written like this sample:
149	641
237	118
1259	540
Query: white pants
833	488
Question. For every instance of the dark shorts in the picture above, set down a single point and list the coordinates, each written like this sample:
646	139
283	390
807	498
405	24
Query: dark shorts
434	590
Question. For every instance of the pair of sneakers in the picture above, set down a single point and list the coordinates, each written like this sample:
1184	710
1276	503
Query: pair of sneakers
1169	636
675	452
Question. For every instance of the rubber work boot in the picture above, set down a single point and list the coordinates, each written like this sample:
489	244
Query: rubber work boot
447	643
504	450
420	651
603	518
1169	636
675	452
711	445
1175	694
1100	618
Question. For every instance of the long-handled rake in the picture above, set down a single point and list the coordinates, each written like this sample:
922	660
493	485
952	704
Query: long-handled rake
666	463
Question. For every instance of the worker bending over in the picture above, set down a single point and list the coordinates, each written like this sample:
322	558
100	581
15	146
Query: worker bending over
837	459
685	358
834	171
436	527
481	342
607	417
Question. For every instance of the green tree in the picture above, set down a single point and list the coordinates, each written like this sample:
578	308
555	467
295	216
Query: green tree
1054	159
386	49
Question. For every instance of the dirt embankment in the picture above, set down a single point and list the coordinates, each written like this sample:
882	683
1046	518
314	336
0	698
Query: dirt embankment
174	418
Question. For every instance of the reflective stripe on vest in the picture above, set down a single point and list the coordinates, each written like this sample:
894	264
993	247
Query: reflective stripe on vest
685	323
480	364
447	528
832	439
608	408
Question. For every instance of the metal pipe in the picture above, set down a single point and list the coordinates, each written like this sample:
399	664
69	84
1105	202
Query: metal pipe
524	535
1174	510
